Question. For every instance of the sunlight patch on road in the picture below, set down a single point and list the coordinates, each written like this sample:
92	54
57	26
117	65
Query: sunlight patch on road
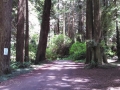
62	84
66	78
64	62
55	67
60	67
51	77
59	84
117	81
71	67
1	87
113	88
82	80
111	60
75	80
5	89
81	87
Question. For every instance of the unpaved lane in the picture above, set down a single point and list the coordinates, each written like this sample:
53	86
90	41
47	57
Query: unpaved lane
65	75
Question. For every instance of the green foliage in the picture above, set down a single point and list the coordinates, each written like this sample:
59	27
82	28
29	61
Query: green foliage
16	65
80	61
110	53
77	51
33	47
108	20
51	54
58	47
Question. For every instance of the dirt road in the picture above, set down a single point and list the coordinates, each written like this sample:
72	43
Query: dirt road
65	75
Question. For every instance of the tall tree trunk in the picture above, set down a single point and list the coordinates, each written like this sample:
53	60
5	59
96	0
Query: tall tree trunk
45	26
97	34
5	35
27	33
89	29
73	21
95	55
58	26
97	28
118	40
117	33
58	21
105	4
81	23
20	33
64	22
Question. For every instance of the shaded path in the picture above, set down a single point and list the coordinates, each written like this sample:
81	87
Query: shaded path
65	75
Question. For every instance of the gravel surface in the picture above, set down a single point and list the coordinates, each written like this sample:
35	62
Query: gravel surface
65	75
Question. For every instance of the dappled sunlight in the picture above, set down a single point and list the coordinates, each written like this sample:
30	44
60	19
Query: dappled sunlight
5	89
117	80
61	84
111	60
82	80
59	66
65	75
51	77
75	80
113	88
114	62
56	67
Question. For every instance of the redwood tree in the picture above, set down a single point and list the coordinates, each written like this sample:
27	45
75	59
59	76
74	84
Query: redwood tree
5	35
27	33
117	32
95	52
89	28
20	33
45	26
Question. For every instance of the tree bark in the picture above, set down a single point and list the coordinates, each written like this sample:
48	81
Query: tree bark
27	33
58	21
5	35
20	33
45	26
81	23
64	22
97	20
93	34
89	28
117	33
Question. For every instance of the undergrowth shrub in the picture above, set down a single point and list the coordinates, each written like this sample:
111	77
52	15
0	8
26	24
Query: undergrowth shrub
58	47
110	52
77	51
33	47
16	65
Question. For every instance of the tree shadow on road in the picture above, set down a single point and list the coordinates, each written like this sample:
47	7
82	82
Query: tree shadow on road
66	75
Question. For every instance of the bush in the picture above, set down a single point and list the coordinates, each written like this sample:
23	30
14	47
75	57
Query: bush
33	47
77	51
16	65
58	47
109	52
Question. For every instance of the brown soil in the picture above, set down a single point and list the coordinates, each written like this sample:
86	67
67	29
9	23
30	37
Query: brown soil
65	75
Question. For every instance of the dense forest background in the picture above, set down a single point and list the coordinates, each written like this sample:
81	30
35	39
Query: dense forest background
32	31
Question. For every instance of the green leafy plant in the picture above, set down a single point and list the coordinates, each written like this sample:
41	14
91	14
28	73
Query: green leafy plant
16	65
33	46
77	51
58	47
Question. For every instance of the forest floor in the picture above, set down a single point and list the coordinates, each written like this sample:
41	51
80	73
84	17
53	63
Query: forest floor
66	75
